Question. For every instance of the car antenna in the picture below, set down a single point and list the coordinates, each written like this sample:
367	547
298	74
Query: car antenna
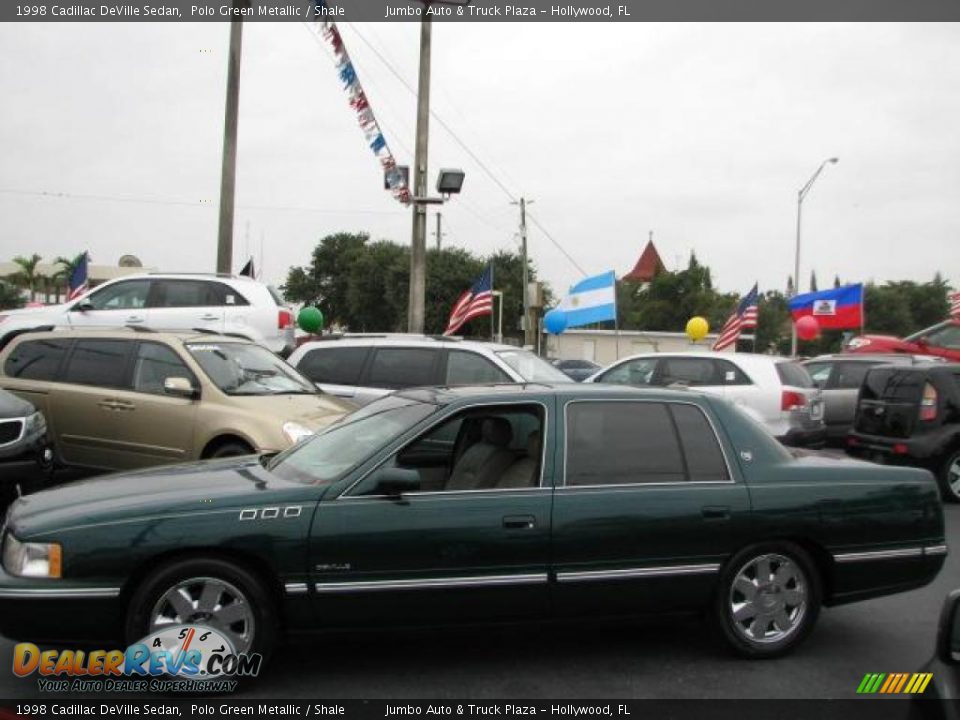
19	491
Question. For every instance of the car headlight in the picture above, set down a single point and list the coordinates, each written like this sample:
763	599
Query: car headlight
36	422
295	432
29	559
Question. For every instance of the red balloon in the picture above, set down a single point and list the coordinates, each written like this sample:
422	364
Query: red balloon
807	327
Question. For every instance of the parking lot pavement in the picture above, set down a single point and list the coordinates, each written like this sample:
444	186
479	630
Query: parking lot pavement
663	658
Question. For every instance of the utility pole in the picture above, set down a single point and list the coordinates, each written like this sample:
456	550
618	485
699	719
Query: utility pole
528	329
418	243
438	233
228	176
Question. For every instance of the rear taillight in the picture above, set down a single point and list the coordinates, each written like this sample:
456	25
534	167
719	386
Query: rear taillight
901	448
852	442
284	319
792	399
928	405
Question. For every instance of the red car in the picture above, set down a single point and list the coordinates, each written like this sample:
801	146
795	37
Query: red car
941	340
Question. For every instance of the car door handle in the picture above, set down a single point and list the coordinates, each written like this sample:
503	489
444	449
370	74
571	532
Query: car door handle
121	405
208	316
133	319
715	512
519	522
108	404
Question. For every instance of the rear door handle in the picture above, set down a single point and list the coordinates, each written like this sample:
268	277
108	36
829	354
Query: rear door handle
715	512
133	319
208	316
121	405
108	404
519	522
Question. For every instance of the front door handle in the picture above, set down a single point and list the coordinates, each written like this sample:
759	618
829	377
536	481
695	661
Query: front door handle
108	404
715	512
519	522
208	316
121	405
134	319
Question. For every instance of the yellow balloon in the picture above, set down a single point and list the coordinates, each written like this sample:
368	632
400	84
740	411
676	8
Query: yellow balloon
697	328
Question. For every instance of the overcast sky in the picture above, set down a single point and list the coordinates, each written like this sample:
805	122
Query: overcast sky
702	133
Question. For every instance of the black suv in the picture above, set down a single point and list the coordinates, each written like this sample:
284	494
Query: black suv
911	416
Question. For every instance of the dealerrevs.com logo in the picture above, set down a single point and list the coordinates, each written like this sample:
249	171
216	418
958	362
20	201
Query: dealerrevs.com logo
180	658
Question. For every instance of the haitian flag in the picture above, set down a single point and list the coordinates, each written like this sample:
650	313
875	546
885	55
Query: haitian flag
835	309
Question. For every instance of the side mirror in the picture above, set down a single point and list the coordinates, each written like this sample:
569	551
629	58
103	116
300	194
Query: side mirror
180	387
395	482
83	306
922	342
948	634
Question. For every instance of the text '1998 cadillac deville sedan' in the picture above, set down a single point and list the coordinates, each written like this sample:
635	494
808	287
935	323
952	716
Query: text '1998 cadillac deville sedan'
494	503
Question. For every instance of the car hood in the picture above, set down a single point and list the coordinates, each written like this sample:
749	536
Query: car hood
13	407
314	412
39	312
200	486
879	343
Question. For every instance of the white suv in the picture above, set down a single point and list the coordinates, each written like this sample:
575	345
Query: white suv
364	368
224	304
775	391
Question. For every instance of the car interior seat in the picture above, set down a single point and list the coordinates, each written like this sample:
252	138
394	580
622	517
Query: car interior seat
482	464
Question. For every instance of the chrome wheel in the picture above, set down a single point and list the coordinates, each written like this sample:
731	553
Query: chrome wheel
207	601
768	599
953	475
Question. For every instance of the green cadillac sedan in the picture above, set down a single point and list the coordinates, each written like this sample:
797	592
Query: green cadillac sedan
498	503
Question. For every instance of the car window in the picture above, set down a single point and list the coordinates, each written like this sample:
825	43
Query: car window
850	375
402	367
248	369
613	443
730	374
819	372
193	293
36	359
692	372
469	368
530	367
705	461
127	295
493	447
334	365
893	385
946	337
632	372
98	362
154	363
792	373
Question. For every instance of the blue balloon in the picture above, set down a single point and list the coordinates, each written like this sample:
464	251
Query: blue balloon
555	322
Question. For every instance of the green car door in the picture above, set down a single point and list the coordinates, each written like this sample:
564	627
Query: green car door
647	507
452	527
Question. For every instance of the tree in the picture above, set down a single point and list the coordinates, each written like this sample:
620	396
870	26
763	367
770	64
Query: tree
27	276
813	281
10	297
61	277
836	282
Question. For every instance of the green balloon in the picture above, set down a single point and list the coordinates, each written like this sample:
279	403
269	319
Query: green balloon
310	320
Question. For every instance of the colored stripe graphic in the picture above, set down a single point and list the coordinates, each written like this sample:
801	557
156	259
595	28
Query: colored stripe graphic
894	683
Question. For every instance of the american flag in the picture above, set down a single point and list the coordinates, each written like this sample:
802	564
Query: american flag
955	305
78	281
475	302
745	316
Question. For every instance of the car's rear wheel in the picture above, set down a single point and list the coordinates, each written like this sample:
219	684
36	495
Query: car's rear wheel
768	599
232	448
950	478
209	592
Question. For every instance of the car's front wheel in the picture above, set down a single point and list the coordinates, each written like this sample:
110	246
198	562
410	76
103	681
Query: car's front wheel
768	599
950	478
209	592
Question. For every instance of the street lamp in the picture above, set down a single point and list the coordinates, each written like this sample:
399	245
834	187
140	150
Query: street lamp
801	194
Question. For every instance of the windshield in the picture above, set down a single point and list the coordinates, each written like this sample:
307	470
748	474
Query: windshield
333	453
531	367
242	369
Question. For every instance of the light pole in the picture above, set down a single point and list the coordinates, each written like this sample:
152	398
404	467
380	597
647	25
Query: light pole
801	194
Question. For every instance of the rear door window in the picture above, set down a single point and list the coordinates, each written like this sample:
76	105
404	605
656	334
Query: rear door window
893	385
469	368
36	359
402	367
193	293
98	362
705	460
334	365
691	372
850	375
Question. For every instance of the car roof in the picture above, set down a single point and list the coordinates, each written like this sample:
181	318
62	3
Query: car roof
518	391
124	333
886	358
159	275
747	359
402	340
931	368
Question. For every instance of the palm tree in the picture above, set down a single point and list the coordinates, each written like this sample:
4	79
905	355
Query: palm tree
61	278
27	277
9	297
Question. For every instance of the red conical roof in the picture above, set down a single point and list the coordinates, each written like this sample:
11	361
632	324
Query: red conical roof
648	266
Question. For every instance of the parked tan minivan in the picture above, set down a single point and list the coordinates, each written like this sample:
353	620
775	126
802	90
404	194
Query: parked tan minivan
128	398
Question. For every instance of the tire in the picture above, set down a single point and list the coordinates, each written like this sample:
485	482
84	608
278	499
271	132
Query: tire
784	608
950	488
233	448
257	627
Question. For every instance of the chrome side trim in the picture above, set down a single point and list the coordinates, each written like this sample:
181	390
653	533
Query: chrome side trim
59	592
448	582
878	555
666	571
935	550
296	588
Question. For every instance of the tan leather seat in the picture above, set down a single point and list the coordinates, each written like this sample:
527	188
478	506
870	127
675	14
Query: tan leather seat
522	473
484	462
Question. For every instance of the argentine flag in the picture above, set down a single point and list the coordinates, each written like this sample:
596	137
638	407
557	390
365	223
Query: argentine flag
591	300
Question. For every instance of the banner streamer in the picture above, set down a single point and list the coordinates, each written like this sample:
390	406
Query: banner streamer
372	133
